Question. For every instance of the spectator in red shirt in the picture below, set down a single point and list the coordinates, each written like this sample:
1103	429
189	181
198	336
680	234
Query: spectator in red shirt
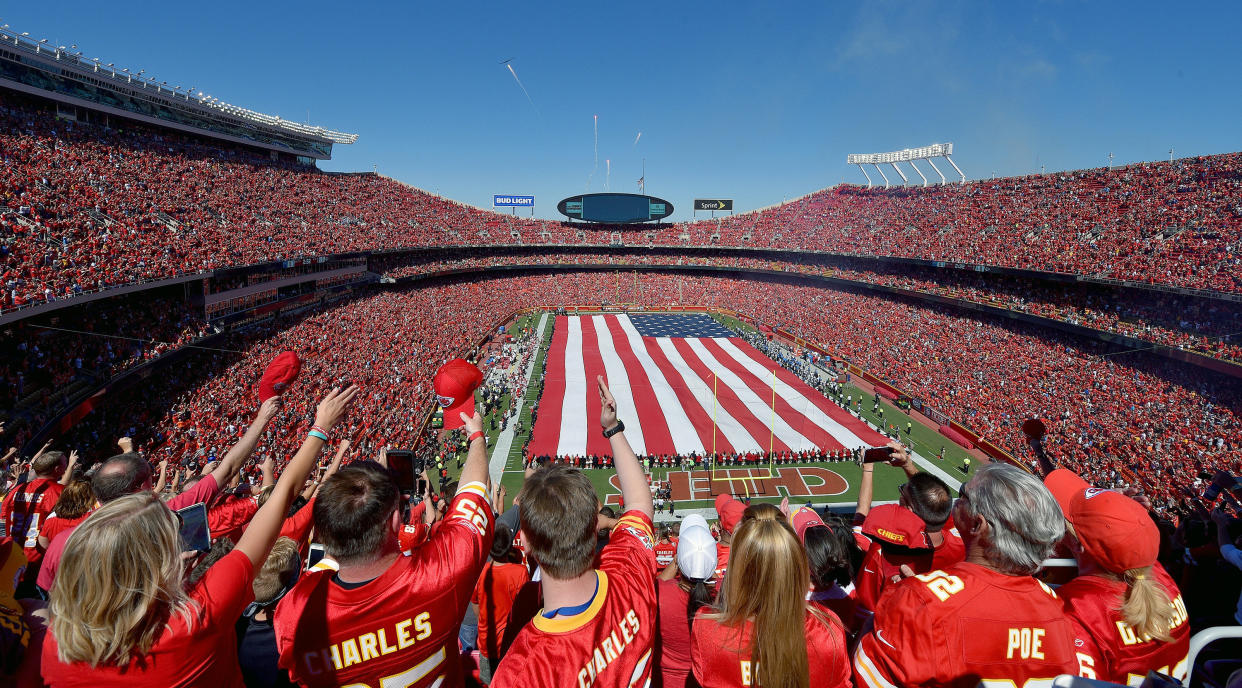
498	586
120	612
679	598
75	504
598	624
25	509
762	631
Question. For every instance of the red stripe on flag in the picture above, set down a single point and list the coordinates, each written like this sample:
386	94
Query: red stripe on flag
698	416
729	401
762	389
835	412
547	431
656	436
593	363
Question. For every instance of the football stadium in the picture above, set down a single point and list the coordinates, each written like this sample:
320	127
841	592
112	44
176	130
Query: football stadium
273	418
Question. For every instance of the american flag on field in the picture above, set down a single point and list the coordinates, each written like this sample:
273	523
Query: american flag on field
683	384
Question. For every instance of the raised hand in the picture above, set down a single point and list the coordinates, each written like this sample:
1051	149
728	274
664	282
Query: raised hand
333	407
608	405
473	424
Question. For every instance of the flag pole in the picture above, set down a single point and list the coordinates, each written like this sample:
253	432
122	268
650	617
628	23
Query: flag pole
772	427
714	381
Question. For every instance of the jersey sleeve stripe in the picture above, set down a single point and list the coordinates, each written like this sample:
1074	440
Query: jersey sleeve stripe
636	521
868	672
476	487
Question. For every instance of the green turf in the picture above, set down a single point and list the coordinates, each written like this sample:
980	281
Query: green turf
924	440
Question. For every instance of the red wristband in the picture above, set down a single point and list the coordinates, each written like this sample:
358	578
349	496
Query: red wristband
475	435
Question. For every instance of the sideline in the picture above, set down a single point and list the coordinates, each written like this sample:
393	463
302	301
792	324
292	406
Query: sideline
504	441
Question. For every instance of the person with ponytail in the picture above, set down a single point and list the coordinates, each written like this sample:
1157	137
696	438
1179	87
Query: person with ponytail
752	635
679	598
1128	614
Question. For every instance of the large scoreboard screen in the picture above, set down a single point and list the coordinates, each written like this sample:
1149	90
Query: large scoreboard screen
615	208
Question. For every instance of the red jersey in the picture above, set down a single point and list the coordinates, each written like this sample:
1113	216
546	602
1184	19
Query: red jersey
879	566
55	525
400	627
498	586
665	552
609	643
230	517
965	625
203	653
1109	649
23	511
722	654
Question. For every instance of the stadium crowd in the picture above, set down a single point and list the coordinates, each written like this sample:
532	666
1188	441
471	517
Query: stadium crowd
1116	418
86	208
1209	326
338	576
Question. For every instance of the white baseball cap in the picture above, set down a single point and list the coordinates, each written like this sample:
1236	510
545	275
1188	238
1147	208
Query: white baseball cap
695	520
696	551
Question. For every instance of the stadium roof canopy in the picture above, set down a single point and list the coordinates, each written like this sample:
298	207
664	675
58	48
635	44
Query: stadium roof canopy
63	74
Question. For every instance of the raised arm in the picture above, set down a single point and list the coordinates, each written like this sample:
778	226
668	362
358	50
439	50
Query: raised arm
257	541
236	456
73	462
634	489
160	482
475	470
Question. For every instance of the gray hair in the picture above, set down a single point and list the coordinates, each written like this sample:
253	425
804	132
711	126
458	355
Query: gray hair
1024	520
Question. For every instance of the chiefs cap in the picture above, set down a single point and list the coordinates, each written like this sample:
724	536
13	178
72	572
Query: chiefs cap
279	375
730	511
804	518
455	383
896	525
1114	529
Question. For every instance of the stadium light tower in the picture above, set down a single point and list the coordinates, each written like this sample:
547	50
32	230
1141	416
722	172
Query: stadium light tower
936	150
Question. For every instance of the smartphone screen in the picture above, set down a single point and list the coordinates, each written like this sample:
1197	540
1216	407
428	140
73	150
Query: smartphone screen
195	536
401	463
316	555
876	454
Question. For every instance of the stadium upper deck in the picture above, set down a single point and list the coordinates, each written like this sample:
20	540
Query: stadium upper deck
86	208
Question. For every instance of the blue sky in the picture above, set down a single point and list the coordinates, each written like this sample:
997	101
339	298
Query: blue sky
757	102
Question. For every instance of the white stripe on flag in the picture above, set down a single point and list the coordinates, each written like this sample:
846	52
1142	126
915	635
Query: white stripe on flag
761	408
685	439
573	439
619	384
702	391
795	398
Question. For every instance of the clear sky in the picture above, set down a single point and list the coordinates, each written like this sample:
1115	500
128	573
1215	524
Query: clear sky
752	101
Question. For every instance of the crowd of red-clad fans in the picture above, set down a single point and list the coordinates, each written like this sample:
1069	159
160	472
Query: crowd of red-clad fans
1201	324
1117	418
85	208
333	574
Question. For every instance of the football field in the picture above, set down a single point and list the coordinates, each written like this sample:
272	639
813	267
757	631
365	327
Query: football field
819	483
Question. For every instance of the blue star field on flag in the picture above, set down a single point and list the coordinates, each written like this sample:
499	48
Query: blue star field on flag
679	325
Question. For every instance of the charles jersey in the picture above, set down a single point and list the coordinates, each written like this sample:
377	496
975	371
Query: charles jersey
963	626
398	629
1108	648
608	644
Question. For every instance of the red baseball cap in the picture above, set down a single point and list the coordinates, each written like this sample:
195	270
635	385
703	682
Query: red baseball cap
804	518
279	375
730	511
896	525
1114	529
455	383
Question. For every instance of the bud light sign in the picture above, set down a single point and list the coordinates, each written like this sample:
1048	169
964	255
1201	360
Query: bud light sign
514	201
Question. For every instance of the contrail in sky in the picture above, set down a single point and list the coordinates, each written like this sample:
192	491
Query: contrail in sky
636	138
519	83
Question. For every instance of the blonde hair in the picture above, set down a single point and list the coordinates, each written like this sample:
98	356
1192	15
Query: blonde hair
1146	607
766	583
119	583
279	569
